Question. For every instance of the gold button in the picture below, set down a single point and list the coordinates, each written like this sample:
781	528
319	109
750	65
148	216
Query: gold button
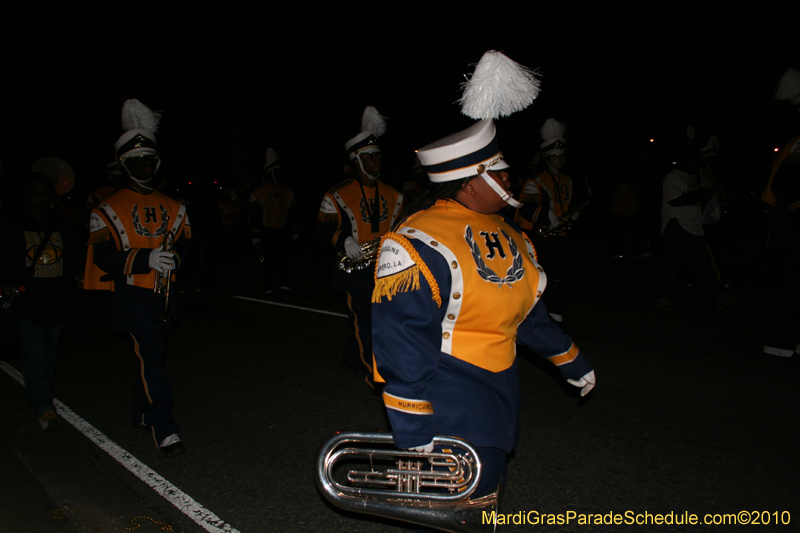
122	232
126	246
540	269
455	264
456	296
179	216
446	335
538	294
411	231
451	316
434	243
114	218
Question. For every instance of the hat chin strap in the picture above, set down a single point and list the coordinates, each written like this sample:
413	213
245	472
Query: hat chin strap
361	165
141	183
507	198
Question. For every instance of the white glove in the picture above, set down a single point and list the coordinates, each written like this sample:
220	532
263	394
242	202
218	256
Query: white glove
428	448
161	261
352	249
586	383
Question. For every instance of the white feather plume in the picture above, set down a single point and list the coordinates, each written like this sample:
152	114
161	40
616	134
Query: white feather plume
789	86
373	121
137	116
552	129
498	88
711	145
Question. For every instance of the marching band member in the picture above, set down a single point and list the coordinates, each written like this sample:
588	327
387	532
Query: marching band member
130	250
269	208
354	213
457	286
782	193
551	199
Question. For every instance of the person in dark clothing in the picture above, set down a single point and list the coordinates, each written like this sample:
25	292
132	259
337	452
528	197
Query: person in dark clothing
39	271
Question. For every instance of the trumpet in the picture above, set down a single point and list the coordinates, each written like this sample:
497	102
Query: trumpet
370	250
429	489
163	280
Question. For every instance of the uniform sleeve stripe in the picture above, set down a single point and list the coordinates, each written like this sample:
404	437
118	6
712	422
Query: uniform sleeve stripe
404	405
566	357
129	262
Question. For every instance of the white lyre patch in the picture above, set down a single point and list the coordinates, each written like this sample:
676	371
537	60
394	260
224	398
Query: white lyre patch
327	206
393	259
96	223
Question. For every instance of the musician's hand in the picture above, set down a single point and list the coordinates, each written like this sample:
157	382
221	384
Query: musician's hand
352	249
586	383
428	448
162	261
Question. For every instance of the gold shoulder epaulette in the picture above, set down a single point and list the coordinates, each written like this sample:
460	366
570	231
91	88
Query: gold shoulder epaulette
407	279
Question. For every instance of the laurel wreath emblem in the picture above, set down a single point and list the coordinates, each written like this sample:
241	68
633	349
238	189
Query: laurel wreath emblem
365	212
140	230
514	273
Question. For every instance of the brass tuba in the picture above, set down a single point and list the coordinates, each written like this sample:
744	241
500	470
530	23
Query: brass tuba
370	250
403	484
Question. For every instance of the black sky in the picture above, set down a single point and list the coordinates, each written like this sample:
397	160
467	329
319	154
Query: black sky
232	81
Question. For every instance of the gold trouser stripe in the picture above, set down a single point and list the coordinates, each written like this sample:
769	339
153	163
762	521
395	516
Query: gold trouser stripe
144	382
414	407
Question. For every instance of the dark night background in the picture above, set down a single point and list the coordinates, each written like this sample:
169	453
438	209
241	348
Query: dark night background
688	414
232	81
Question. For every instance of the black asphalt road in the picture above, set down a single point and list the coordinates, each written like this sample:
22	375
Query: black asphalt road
688	416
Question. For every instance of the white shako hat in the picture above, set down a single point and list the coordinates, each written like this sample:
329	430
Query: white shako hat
497	88
373	125
272	160
553	141
140	124
461	154
789	88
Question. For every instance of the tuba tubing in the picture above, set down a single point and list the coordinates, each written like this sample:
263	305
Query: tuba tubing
451	511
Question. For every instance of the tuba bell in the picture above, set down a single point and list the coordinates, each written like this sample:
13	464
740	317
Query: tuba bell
405	485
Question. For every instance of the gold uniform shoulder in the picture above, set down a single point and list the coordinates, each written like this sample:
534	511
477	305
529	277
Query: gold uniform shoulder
398	269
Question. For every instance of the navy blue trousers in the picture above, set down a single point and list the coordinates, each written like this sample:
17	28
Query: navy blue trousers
152	393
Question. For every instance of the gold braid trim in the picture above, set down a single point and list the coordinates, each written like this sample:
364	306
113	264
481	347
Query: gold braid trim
408	279
535	254
328	217
101	235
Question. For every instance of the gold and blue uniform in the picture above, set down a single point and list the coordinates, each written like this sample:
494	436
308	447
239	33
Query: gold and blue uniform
270	208
365	213
124	228
455	291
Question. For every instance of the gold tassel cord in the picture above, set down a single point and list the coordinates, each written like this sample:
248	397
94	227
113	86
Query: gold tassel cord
328	218
407	280
101	235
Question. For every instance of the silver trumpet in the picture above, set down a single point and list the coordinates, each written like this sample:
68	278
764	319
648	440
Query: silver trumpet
162	284
370	250
404	485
